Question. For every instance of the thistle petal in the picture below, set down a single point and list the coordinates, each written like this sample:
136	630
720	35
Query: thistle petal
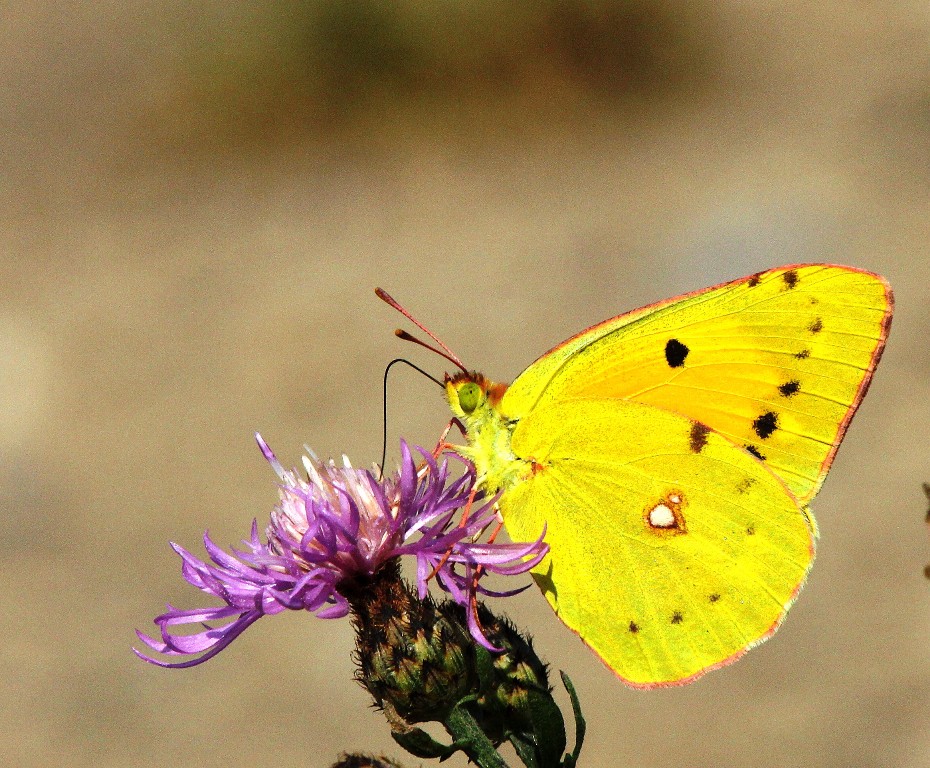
340	527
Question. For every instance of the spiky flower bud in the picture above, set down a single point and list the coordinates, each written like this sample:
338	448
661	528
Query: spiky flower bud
518	675
420	663
415	658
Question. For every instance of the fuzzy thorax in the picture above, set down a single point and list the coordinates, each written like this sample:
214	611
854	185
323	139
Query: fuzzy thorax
475	401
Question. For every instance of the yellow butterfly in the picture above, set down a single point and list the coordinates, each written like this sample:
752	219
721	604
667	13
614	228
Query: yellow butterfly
671	453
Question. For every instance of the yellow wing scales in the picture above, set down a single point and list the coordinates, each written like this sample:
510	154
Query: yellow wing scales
658	604
671	454
777	363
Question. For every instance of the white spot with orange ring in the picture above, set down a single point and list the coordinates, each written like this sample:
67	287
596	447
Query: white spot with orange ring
662	516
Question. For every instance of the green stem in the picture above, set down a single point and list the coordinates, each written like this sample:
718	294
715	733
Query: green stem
469	737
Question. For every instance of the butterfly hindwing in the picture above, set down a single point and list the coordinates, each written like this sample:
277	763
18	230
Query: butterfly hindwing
776	362
669	555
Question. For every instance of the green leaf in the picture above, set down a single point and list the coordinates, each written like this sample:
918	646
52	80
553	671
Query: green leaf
420	744
471	739
548	728
525	749
580	725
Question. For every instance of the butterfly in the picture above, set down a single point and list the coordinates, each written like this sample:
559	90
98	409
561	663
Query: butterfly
671	453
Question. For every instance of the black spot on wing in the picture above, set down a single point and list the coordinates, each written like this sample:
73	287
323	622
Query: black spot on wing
766	424
714	597
677	618
675	353
803	354
750	531
698	436
755	452
816	326
634	627
790	388
791	278
754	280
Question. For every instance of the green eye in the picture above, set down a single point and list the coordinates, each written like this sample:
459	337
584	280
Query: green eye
469	396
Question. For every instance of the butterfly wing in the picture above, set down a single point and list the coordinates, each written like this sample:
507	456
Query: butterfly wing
777	362
667	557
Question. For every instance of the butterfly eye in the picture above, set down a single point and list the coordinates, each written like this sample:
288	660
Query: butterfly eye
470	395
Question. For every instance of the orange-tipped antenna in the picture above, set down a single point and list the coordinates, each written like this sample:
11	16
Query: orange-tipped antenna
443	351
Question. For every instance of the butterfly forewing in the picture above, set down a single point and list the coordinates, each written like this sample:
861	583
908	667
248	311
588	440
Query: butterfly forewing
777	362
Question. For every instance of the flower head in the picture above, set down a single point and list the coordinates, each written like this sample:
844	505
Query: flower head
328	536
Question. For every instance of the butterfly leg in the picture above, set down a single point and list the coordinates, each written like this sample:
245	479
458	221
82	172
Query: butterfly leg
479	572
442	445
462	522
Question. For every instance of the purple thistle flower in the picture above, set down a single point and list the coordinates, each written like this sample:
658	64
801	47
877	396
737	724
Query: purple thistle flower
338	527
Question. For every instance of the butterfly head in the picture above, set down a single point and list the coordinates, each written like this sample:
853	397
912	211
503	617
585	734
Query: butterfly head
471	393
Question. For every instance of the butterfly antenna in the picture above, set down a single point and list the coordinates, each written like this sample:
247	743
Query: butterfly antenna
400	333
387	370
443	351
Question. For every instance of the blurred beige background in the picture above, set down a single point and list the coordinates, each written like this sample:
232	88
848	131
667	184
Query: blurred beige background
197	201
